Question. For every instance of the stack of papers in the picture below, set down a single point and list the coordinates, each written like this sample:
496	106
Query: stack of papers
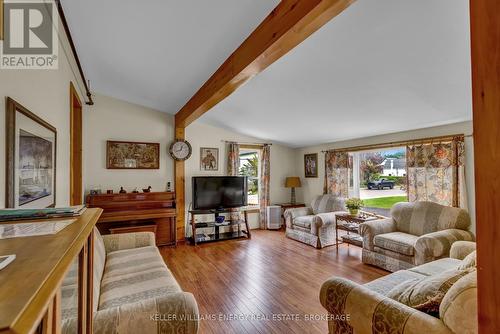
33	229
19	214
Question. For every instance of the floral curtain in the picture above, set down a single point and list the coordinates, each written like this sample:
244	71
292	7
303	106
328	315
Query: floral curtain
265	173
337	173
233	169
436	172
233	159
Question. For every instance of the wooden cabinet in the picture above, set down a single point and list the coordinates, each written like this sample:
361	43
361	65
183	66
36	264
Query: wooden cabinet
30	294
286	206
132	229
134	212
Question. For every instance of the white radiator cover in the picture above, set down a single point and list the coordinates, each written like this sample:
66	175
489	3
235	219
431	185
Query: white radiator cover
273	213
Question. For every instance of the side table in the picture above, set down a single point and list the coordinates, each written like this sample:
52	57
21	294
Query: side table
350	224
286	206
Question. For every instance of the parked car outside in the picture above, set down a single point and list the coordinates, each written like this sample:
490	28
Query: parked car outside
381	184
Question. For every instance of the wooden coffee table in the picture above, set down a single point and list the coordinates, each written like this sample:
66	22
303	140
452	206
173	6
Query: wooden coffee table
350	224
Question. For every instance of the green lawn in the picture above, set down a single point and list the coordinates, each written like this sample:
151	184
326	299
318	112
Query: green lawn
384	202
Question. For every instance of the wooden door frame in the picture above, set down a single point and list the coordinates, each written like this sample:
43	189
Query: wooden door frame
76	168
485	61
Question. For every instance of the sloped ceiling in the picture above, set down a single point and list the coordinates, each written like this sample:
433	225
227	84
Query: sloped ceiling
158	53
381	66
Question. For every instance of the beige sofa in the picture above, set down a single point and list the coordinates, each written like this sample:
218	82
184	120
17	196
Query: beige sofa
315	225
416	233
355	308
134	291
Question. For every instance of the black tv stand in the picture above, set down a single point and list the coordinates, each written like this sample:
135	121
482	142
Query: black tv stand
217	212
215	234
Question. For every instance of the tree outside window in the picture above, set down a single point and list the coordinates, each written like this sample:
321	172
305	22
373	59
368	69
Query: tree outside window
379	178
371	167
249	167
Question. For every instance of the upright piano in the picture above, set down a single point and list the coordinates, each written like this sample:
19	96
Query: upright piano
136	212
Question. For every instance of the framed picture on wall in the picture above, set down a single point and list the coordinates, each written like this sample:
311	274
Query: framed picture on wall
132	155
31	159
311	165
209	159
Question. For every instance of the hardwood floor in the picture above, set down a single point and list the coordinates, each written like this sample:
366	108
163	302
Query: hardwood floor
266	276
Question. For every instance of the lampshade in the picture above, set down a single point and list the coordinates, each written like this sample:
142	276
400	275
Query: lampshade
292	182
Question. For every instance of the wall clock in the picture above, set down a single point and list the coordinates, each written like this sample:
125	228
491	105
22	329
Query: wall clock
180	150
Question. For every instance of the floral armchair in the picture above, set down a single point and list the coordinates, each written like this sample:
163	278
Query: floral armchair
417	233
369	308
315	225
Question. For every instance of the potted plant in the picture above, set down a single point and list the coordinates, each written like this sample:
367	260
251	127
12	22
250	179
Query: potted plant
353	205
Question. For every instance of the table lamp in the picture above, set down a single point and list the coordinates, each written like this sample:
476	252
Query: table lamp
292	182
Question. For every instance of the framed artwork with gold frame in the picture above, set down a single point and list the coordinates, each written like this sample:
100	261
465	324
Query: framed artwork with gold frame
132	155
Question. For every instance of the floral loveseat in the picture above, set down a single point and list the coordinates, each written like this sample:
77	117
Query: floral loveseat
370	308
417	232
315	225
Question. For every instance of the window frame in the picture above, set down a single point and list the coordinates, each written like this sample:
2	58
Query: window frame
355	172
258	150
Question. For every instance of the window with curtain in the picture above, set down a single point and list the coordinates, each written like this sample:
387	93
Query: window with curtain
253	161
425	171
378	177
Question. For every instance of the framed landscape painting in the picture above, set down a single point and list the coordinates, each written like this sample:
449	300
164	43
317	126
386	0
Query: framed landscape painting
31	159
311	165
132	155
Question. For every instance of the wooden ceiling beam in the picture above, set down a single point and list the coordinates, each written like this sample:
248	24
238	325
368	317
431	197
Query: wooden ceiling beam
290	23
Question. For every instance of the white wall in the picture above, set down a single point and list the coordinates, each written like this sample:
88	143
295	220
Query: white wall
203	135
46	94
113	119
314	186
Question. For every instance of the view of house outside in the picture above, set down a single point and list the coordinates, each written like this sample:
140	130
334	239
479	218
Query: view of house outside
379	177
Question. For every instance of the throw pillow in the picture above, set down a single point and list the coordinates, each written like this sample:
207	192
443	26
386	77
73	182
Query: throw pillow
431	306
468	262
426	293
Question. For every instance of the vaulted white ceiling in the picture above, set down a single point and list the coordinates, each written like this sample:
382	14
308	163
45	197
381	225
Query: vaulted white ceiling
381	66
158	53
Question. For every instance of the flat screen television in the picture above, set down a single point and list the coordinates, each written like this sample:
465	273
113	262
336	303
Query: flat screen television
219	192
